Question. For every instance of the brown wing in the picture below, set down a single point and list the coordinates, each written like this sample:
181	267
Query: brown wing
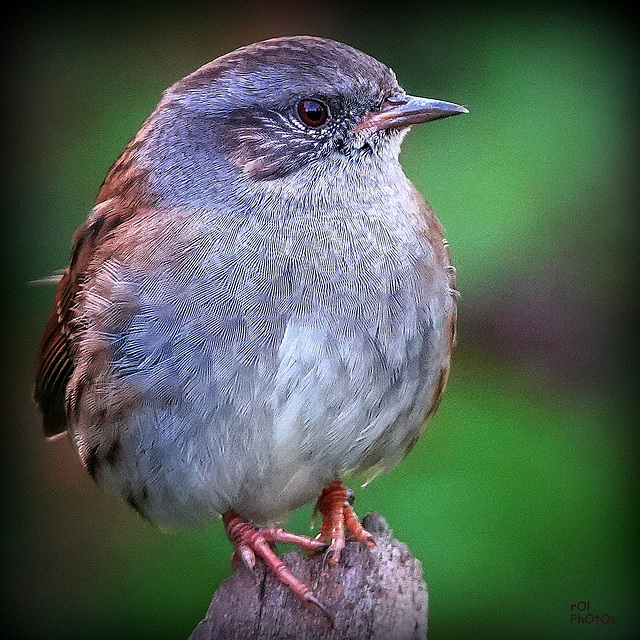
118	200
55	359
54	362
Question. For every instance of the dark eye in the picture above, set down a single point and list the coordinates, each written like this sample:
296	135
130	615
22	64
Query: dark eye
312	112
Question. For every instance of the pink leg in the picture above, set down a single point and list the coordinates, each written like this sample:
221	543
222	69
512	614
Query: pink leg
337	513
249	541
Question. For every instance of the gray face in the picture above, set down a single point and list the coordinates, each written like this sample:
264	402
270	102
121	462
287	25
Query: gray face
245	112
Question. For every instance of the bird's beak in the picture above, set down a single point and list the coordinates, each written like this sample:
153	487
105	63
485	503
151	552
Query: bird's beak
399	112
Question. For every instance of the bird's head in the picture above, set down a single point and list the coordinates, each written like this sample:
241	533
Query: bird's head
270	109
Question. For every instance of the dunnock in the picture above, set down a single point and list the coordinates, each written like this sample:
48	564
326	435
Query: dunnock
259	303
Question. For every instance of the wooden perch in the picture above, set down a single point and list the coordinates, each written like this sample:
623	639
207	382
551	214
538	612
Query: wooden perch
373	594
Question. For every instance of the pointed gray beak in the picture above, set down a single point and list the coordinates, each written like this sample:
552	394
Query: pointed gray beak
403	111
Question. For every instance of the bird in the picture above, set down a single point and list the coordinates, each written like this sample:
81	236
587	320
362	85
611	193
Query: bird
259	304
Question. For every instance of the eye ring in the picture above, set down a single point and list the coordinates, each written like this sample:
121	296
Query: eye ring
312	113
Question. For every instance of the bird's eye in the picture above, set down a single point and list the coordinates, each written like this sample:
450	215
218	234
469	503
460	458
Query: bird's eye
312	112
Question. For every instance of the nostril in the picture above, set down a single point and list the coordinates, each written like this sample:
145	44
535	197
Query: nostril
396	99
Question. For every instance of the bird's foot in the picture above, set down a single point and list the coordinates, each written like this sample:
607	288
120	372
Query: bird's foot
249	541
335	506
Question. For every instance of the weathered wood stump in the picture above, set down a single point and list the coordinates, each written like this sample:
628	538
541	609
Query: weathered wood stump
373	594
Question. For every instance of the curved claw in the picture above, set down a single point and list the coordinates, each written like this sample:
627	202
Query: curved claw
246	555
327	614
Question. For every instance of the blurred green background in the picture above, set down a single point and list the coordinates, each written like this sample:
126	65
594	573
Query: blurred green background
521	498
